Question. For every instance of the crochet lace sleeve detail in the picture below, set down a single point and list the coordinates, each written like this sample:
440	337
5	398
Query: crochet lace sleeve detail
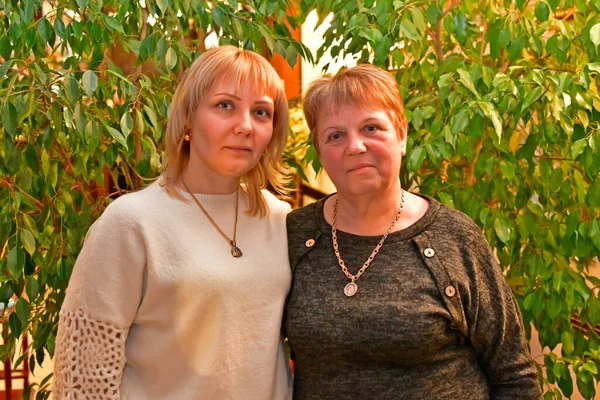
89	359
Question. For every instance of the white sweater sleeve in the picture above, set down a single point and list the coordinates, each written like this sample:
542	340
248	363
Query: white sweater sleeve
104	293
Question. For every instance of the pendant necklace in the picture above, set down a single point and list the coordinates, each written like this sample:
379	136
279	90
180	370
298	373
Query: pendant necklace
351	288
235	250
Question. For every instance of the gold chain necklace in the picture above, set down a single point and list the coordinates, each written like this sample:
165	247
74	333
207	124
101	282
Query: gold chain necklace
351	288
235	251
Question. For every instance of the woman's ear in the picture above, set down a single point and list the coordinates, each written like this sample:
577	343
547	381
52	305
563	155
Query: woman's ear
402	136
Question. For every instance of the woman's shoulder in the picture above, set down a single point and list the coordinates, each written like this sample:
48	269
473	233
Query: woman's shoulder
455	225
276	205
304	218
135	205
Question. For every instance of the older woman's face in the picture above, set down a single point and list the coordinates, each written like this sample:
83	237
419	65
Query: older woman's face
360	148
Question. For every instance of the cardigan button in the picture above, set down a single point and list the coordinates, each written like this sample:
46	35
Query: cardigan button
429	252
310	243
450	291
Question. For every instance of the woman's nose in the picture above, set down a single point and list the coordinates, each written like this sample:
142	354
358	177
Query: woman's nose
244	123
356	145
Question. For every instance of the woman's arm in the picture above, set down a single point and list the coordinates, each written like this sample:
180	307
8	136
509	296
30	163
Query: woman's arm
496	329
104	293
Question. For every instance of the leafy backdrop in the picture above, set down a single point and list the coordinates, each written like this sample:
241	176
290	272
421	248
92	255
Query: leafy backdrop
502	99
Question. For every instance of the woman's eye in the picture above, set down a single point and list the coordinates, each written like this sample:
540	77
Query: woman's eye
335	136
225	105
371	128
261	112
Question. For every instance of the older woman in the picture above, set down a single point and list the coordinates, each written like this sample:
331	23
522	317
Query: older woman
179	289
394	295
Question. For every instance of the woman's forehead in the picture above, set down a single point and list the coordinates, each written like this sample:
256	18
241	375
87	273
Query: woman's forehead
242	84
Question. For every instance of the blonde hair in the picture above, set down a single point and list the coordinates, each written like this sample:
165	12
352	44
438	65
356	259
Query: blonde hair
364	85
247	68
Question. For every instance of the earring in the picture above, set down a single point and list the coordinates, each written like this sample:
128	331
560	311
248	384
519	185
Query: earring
186	137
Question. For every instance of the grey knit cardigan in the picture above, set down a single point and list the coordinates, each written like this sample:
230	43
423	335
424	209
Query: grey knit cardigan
433	317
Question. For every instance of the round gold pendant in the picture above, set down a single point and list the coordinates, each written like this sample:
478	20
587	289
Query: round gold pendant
235	251
351	289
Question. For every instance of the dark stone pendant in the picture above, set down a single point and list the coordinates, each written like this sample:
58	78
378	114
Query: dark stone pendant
235	251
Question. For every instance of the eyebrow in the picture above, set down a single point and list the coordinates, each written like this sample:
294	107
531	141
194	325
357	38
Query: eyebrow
239	99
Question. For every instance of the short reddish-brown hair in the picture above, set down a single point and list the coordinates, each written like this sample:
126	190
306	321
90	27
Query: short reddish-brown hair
364	85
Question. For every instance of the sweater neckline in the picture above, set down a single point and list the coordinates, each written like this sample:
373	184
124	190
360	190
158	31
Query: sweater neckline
404	234
206	199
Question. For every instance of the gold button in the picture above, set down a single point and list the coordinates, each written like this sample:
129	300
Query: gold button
450	291
310	243
429	252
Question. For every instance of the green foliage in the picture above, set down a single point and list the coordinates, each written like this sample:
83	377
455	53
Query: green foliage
84	92
503	108
501	97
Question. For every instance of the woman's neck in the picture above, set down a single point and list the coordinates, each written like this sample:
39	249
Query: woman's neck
207	183
366	215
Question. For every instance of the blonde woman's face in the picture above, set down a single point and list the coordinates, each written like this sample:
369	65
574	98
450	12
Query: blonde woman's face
231	129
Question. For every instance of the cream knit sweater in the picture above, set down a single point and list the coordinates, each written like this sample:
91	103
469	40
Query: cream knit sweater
157	308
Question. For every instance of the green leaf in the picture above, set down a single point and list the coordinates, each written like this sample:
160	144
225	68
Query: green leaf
267	36
568	343
594	233
237	27
126	124
416	158
578	147
554	306
171	58
28	241
90	82
32	288
14	325
23	309
71	89
163	5
219	17
467	81
460	26
419	20
554	4
382	50
460	121
502	230
3	68
433	14
16	262
532	97
591	66
595	34
151	116
291	55
5	47
45	29
118	136
59	28
9	118
113	24
409	30
27	11
542	12
82	4
80	119
590	366
566	385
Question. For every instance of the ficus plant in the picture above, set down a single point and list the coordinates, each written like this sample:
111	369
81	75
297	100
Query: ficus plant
501	97
503	108
84	92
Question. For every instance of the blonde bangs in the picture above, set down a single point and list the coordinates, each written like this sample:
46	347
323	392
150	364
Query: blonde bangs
251	71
